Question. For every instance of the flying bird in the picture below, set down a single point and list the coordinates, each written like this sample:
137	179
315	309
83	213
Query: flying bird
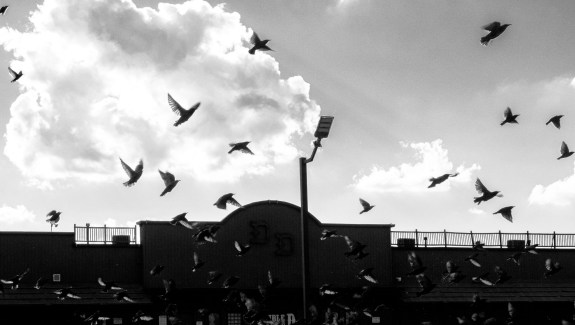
502	275
506	213
133	174
241	146
180	219
3	10
258	44
15	281
515	258
366	206
415	263
213	276
107	286
230	282
53	217
123	296
509	117
438	180
366	274
482	279
227	199
551	268
473	259
495	29
169	290
556	120
185	114
41	282
242	249
66	293
451	275
141	316
156	270
355	247
203	236
325	234
425	284
565	151
169	181
273	282
486	195
325	289
15	75
197	262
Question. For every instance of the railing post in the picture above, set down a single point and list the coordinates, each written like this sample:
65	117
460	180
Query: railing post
472	240
528	239
554	241
416	239
105	235
135	234
75	239
445	237
500	240
87	233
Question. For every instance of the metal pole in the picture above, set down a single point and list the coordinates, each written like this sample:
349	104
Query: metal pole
304	235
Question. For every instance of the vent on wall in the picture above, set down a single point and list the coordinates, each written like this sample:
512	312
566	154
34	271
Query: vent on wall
55	277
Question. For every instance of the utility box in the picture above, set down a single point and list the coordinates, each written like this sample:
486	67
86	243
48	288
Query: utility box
405	242
516	244
121	240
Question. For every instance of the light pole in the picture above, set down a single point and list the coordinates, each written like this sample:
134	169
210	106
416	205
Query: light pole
321	132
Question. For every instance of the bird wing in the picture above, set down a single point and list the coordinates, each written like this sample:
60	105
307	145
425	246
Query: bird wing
255	39
238	246
127	168
370	278
12	72
413	260
167	177
270	277
474	262
506	213
548	264
491	27
233	201
140	167
101	282
480	187
196	258
564	148
556	121
246	150
364	203
176	107
508	114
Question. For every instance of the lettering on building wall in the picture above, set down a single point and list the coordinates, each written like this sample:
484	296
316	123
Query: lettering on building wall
283	319
284	244
260	232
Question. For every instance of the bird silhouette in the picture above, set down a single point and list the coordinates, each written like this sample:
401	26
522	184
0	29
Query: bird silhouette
213	276
15	281
169	181
551	268
452	274
325	234
230	282
366	274
204	236
556	120
227	199
107	285
273	282
495	29
565	151
180	219
502	275
15	75
366	206
425	283
41	282
438	180
482	279
509	117
241	146
355	247
3	10
258	44
123	296
473	259
197	262
156	270
184	114
241	249
486	195
133	174
415	264
53	217
325	289
65	293
141	316
169	290
515	258
506	213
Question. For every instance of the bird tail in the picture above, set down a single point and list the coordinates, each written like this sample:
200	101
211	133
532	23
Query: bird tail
477	200
252	51
177	123
485	40
128	183
548	122
502	123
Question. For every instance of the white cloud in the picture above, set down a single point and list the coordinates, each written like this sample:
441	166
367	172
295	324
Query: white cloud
432	161
476	211
19	214
96	78
558	193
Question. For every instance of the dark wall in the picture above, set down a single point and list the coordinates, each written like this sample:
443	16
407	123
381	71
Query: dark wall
274	229
49	253
531	266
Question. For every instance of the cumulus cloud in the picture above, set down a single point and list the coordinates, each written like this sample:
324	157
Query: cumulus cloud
15	215
431	161
558	193
95	85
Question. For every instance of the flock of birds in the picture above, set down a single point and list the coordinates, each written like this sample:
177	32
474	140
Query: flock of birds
356	251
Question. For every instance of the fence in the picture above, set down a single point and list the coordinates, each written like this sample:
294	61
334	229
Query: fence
497	239
105	235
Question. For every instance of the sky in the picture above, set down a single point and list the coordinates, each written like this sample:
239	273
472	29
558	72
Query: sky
413	92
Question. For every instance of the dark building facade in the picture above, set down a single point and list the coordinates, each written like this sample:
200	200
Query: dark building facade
273	231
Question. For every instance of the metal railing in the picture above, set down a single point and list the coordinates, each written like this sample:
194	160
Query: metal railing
497	239
87	235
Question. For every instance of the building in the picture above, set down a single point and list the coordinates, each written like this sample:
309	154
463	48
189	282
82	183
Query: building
272	229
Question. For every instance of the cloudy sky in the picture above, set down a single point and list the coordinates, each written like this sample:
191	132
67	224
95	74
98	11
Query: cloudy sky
413	92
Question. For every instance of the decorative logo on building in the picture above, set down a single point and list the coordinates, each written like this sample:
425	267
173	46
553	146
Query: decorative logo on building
260	232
